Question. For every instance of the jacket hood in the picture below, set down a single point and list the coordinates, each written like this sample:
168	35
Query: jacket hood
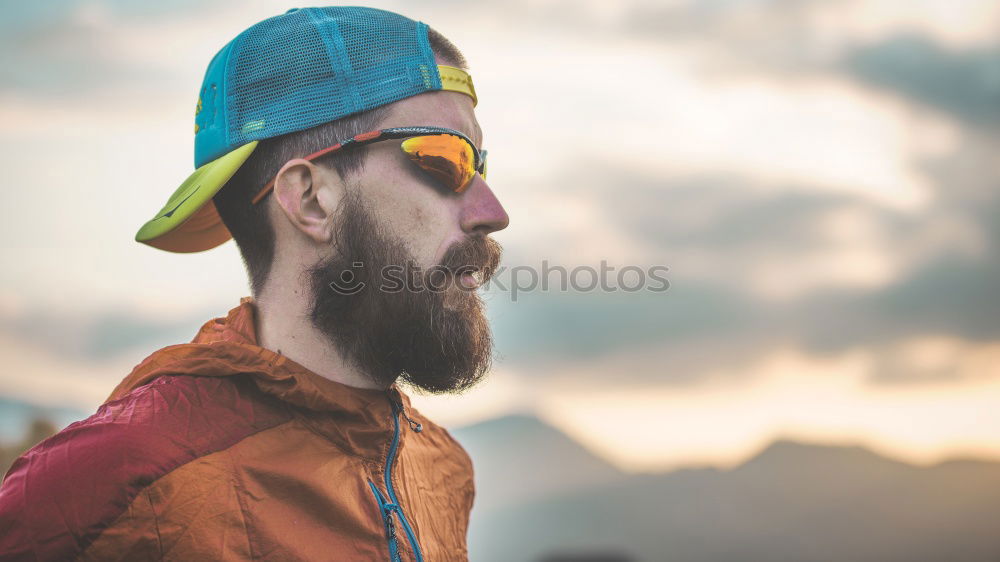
227	346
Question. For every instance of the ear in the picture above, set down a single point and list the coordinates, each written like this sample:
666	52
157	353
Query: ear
308	196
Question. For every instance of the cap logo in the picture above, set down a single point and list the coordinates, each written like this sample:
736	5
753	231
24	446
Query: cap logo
202	118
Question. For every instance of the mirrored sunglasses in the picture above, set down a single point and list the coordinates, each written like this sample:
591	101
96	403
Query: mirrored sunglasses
447	155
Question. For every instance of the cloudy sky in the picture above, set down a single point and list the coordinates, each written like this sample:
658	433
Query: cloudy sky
820	178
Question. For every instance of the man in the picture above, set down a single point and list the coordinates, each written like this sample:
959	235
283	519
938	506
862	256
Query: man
339	148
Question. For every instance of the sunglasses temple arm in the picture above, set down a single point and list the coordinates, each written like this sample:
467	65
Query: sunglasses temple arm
270	185
260	194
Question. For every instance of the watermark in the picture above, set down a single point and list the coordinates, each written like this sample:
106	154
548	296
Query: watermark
515	280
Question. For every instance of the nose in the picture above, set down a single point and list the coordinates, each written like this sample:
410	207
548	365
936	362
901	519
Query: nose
481	210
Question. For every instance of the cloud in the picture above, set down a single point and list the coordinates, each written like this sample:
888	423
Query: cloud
542	330
799	33
64	48
784	392
685	335
95	335
793	204
35	374
755	268
965	83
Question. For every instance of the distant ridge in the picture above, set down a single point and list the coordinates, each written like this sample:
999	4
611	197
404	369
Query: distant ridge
791	501
512	457
16	417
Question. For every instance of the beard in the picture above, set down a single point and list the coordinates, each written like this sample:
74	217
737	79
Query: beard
405	324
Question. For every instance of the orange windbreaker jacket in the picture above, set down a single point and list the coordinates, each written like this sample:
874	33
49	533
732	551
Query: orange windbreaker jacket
222	450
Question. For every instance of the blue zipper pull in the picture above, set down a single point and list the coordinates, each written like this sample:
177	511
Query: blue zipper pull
386	509
392	524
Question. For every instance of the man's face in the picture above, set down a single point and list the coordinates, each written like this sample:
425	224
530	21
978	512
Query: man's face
429	220
432	332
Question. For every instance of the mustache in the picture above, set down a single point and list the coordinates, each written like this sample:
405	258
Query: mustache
478	254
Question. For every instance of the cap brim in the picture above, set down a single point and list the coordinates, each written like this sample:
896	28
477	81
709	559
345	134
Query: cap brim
189	221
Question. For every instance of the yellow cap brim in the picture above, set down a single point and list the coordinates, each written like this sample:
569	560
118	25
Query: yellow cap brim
189	221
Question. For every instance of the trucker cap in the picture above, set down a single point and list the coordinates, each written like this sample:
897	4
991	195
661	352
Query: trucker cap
288	73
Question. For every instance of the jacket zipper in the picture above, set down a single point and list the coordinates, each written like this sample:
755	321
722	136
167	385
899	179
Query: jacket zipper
391	505
386	510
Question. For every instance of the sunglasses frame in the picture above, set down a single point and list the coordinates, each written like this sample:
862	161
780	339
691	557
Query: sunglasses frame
388	134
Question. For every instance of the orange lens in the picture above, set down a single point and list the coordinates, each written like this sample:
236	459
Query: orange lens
447	158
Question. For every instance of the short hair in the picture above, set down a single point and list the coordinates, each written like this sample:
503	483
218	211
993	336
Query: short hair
248	223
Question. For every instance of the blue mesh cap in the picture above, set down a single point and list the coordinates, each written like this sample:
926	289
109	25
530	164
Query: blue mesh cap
288	73
307	67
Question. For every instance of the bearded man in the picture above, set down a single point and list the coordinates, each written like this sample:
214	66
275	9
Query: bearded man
339	148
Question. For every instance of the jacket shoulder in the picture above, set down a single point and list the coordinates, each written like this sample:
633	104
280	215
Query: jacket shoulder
443	440
62	494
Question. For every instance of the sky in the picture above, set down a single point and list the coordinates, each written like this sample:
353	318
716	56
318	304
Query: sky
819	177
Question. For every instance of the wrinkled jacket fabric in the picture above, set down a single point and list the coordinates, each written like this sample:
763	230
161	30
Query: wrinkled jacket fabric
222	450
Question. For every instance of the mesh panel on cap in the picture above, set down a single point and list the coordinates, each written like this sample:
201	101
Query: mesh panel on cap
316	65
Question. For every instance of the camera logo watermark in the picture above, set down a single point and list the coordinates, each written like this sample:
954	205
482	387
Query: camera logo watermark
513	281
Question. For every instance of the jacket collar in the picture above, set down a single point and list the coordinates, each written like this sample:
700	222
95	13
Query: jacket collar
360	419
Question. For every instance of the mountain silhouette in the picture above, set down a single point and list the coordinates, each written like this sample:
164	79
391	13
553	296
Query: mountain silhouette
507	452
791	501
